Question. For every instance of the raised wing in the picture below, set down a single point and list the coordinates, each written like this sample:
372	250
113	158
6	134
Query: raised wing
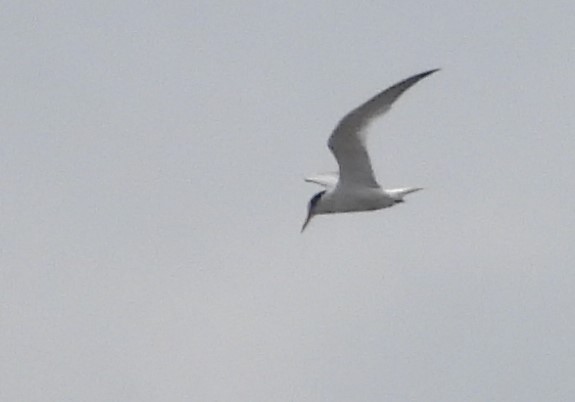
327	180
347	142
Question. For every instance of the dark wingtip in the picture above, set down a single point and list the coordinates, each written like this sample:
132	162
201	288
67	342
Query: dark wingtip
428	72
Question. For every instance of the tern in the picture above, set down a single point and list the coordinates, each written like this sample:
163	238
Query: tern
355	188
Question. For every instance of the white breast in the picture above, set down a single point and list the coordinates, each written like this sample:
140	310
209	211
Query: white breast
364	199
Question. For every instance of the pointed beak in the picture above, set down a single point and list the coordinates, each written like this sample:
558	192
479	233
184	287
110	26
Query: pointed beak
307	220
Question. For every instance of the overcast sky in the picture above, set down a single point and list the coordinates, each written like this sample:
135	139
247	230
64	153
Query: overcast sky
151	165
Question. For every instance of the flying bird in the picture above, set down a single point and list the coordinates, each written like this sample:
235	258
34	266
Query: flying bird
355	188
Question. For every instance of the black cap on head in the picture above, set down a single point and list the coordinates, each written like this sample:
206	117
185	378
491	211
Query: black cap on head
314	200
310	207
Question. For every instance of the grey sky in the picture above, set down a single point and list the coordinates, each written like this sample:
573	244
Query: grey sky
151	165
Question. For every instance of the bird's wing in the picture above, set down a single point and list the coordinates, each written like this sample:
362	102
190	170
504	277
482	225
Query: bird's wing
347	142
327	180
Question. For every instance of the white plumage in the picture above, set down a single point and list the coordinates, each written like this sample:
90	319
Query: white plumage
355	187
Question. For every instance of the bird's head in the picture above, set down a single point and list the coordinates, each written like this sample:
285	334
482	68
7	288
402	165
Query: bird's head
312	207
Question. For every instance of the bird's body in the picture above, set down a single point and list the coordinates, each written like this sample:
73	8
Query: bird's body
355	188
344	199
